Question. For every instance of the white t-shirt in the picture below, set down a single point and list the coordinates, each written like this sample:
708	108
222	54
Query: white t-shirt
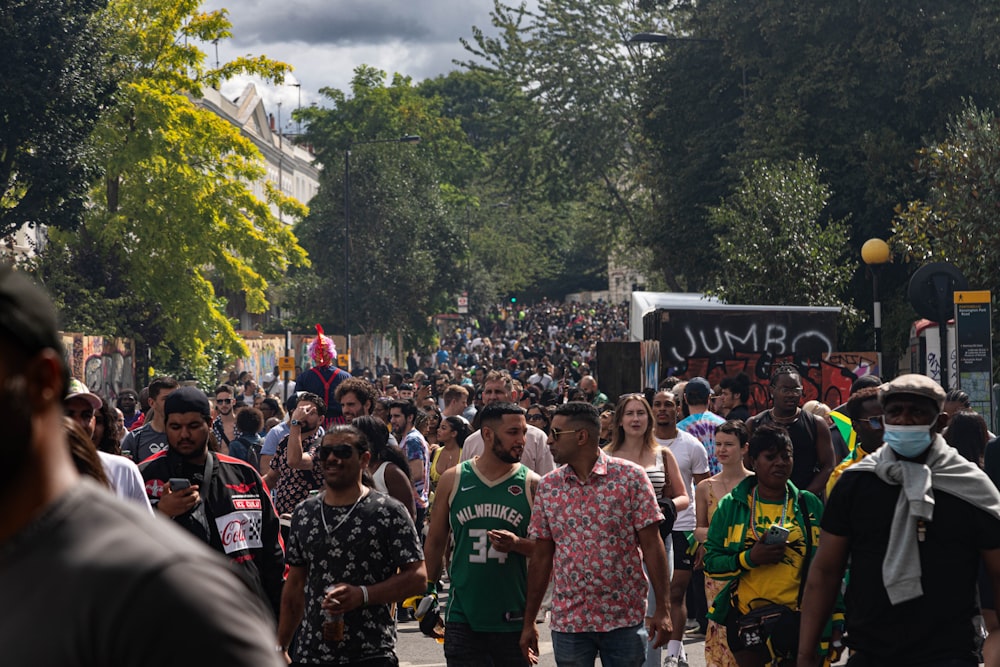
125	479
692	459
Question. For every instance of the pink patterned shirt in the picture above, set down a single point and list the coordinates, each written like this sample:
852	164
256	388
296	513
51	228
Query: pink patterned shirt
597	567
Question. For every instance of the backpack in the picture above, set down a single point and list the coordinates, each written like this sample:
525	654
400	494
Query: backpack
253	451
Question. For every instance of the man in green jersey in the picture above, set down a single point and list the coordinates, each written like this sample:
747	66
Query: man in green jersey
486	501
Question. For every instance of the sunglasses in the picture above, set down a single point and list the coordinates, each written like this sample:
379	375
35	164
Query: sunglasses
873	422
340	451
558	433
224	400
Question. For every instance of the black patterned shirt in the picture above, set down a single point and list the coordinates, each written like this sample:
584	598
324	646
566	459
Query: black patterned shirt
360	547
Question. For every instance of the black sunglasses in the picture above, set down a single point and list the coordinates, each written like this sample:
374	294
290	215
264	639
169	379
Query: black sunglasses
340	451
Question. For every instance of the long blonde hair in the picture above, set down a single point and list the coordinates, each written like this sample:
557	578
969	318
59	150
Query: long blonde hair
618	432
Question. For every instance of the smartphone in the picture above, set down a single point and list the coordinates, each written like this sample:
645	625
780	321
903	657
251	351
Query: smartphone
179	483
775	535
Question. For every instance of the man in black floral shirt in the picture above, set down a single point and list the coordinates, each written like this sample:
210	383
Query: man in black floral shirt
352	552
291	481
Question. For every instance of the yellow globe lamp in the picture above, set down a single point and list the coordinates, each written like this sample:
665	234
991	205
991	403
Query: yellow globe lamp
875	252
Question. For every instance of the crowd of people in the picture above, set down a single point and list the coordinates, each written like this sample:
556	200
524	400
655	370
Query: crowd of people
494	467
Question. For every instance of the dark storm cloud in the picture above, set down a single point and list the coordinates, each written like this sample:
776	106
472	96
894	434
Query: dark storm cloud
350	22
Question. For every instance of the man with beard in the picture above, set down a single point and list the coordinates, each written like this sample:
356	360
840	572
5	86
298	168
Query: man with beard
78	560
595	521
588	385
351	555
692	461
357	398
294	472
223	501
402	418
487	502
224	425
499	388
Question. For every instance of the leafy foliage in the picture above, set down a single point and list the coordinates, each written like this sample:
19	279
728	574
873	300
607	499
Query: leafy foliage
956	221
405	236
772	244
57	76
175	216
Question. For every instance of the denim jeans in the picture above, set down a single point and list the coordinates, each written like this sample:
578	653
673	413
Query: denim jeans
622	647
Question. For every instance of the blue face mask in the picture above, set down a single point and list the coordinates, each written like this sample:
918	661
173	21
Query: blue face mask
908	441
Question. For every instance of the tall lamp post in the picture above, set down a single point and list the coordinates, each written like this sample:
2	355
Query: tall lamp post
875	253
405	139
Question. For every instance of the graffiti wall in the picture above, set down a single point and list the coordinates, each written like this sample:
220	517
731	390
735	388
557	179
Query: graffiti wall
720	334
105	365
827	378
265	350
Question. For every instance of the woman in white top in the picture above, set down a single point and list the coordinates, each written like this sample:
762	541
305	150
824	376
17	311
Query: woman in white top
387	464
632	440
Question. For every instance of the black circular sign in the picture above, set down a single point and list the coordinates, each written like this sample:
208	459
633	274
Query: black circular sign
932	289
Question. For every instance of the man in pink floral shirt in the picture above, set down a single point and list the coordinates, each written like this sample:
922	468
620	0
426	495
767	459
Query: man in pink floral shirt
595	520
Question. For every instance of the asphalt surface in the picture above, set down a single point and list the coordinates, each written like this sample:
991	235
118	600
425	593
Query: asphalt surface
416	650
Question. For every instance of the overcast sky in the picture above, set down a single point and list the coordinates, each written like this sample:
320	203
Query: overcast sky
325	40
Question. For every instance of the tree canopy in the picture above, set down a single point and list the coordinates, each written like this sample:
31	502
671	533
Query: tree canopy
57	76
174	217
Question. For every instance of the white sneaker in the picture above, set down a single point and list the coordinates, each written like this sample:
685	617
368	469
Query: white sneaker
671	661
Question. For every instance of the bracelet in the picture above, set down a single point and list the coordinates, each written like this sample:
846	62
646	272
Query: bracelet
364	594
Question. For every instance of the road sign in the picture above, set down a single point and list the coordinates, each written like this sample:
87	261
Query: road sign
974	343
286	364
463	303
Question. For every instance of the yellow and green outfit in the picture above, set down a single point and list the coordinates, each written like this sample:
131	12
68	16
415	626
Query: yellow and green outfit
741	519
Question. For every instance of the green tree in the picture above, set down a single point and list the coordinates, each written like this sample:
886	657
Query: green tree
956	220
174	217
773	246
56	79
579	143
407	241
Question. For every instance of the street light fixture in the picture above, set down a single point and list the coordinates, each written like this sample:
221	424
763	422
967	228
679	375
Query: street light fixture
405	139
661	38
876	253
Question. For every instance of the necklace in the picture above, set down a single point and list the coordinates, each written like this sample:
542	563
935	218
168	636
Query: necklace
322	514
753	512
785	420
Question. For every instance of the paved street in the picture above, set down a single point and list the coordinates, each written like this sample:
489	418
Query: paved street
416	650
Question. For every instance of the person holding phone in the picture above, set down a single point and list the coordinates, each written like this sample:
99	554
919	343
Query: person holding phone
226	504
765	574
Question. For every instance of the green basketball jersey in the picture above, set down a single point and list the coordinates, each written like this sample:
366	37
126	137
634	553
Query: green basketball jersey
488	588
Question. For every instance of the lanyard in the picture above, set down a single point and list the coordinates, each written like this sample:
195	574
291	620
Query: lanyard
753	512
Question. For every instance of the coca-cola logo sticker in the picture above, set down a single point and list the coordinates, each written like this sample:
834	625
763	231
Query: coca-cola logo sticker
239	531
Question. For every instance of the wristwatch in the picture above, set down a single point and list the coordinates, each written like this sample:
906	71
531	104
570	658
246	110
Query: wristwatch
295	422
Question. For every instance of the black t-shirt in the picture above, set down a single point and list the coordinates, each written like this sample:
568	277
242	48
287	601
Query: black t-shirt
935	626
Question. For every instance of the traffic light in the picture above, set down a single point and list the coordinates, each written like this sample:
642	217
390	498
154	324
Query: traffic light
513	299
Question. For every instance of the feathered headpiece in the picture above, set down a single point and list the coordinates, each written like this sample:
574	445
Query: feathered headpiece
322	350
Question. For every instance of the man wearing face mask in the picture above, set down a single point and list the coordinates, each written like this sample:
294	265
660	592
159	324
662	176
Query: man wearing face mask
220	500
914	517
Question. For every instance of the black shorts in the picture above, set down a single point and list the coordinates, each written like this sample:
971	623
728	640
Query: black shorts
683	553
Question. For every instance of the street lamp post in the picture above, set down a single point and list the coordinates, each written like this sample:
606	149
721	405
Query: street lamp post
405	139
875	253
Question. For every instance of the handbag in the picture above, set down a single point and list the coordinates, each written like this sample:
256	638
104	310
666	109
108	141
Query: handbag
756	627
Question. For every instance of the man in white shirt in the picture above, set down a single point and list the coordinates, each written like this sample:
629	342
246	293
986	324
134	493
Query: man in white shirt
499	387
692	460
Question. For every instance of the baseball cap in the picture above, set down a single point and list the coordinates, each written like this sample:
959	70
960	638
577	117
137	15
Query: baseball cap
27	316
187	399
697	388
78	389
912	384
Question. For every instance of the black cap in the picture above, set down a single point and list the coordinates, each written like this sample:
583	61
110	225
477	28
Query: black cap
28	319
187	399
